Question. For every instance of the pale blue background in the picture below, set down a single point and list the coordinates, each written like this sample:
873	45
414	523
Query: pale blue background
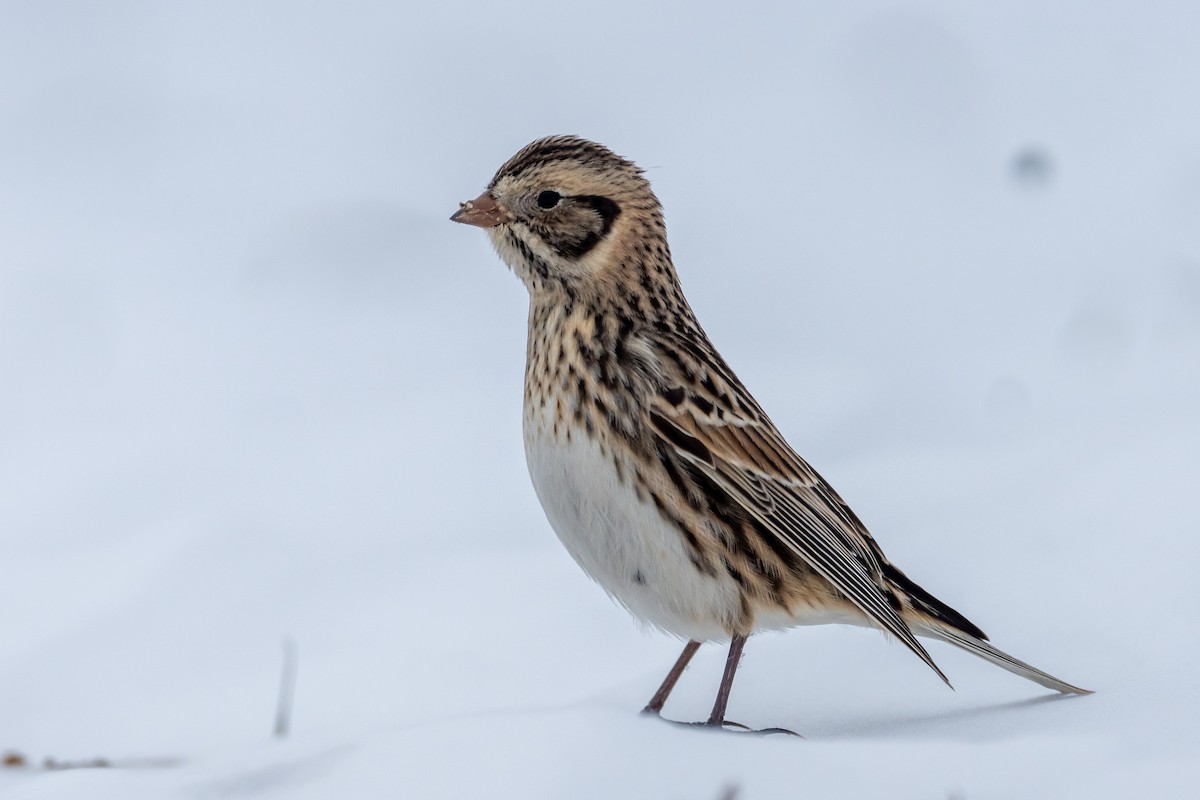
254	384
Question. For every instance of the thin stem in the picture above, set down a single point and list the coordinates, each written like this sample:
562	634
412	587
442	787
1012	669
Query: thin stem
287	690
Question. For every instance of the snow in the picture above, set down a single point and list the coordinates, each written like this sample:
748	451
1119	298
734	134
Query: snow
256	386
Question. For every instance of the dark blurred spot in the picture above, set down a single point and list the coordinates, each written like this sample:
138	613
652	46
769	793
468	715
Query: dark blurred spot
1032	167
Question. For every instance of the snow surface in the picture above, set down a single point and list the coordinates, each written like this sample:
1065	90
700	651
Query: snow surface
256	386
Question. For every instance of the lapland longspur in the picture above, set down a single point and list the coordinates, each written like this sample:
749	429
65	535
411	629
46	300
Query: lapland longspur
662	476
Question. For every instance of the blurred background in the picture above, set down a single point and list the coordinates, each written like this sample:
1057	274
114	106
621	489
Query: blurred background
254	385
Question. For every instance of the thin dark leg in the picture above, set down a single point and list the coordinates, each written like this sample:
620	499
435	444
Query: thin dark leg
660	697
717	717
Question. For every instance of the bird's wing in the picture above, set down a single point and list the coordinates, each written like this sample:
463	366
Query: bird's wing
704	413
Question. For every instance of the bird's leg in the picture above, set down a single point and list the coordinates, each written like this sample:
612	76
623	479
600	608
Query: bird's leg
660	697
717	718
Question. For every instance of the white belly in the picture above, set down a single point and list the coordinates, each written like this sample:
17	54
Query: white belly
621	542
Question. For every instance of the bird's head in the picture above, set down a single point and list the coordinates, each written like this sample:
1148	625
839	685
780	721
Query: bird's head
566	213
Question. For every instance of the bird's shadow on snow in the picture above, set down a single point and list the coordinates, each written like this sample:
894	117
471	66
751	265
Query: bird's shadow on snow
982	722
1002	719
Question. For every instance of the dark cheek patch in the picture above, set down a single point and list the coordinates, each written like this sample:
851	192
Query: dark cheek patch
606	209
587	220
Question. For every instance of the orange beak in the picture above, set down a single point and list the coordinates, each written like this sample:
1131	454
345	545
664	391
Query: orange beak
483	211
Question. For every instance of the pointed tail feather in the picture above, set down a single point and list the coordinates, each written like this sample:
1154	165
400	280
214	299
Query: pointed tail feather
986	651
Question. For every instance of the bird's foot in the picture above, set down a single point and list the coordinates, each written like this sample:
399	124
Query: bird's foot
738	727
729	726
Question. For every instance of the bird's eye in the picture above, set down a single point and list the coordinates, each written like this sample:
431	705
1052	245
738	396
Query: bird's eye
548	199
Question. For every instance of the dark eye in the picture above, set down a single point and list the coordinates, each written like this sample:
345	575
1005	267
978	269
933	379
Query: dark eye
548	199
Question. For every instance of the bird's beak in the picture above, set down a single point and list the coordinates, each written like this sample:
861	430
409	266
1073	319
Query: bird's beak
483	211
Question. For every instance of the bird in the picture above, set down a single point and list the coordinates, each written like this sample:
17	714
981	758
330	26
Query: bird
659	472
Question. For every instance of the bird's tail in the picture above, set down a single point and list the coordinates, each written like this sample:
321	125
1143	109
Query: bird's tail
931	618
985	650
